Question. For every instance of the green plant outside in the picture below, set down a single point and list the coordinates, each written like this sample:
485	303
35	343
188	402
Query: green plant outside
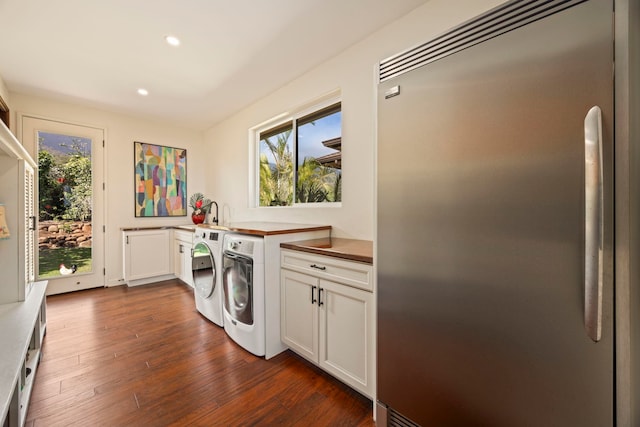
50	260
65	194
276	183
65	184
315	183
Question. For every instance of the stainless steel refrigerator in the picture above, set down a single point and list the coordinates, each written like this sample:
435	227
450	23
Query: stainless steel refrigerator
495	222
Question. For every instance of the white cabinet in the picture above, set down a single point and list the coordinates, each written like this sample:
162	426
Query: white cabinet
147	255
22	330
327	315
182	246
299	313
346	337
17	186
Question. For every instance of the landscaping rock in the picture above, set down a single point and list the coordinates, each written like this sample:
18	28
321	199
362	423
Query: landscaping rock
53	235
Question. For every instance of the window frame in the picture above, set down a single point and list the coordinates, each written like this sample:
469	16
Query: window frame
305	114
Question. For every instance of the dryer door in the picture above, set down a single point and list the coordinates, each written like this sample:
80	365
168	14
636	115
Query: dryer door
203	267
238	287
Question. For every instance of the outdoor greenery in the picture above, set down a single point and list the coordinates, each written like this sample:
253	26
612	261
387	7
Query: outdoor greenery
51	192
65	196
50	260
65	185
276	182
315	183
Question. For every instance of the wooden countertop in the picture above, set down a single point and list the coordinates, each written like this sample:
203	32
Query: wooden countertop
273	228
254	228
167	227
350	249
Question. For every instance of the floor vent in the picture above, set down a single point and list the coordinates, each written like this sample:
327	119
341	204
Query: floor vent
504	18
398	420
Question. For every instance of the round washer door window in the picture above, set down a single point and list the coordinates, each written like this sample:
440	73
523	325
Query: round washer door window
203	267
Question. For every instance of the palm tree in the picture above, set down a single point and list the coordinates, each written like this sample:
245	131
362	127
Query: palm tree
281	179
337	187
267	192
317	183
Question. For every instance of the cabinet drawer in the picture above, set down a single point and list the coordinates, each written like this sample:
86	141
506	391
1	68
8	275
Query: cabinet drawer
356	274
183	236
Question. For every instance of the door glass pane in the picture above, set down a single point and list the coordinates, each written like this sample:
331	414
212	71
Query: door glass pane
238	300
65	205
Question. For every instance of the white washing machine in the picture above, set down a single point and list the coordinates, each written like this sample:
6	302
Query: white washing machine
206	268
243	286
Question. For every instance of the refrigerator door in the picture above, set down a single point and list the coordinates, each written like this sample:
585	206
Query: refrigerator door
481	230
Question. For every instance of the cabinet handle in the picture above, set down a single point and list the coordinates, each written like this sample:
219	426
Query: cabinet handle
181	250
320	303
313	295
318	267
127	240
32	221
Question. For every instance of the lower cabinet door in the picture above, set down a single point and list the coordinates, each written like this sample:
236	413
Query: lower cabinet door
346	335
178	262
186	274
299	313
182	261
147	253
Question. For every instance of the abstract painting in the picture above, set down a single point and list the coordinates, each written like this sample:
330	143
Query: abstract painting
160	180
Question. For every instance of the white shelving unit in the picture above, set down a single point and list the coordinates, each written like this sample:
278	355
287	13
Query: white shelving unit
22	329
17	186
23	313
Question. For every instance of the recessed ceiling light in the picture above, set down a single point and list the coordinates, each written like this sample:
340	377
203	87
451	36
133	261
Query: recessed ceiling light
143	92
172	40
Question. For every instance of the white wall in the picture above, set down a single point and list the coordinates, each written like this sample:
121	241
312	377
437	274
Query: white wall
4	93
121	132
353	72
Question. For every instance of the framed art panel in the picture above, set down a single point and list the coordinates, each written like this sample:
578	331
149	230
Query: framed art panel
160	180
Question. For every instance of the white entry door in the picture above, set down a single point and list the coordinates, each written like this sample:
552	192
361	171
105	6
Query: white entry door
70	208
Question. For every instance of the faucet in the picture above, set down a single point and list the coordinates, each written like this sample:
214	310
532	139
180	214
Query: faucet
214	220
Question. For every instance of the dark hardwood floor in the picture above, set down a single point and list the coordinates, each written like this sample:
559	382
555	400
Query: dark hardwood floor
144	356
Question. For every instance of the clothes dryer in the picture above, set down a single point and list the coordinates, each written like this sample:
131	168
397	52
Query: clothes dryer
206	262
244	287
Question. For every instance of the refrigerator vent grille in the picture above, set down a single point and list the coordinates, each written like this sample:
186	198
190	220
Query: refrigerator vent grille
397	420
495	22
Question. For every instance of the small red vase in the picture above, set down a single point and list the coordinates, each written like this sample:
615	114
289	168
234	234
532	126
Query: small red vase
198	219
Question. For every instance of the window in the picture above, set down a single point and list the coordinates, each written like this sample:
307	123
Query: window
300	159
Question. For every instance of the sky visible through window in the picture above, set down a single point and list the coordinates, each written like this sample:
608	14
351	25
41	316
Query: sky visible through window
311	135
64	144
310	138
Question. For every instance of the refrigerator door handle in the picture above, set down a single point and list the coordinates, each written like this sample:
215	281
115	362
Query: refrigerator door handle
594	223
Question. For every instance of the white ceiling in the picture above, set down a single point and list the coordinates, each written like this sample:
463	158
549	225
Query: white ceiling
233	52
